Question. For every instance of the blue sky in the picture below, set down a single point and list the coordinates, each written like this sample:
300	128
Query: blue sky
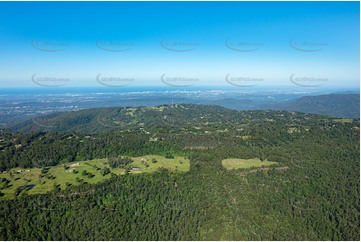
136	43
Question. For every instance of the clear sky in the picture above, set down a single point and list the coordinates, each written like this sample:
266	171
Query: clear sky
146	43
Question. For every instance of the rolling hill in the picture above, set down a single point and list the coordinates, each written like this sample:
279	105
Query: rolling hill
334	105
310	192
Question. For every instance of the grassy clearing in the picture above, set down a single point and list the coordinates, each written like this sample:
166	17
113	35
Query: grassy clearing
293	130
177	164
245	137
235	163
343	120
58	175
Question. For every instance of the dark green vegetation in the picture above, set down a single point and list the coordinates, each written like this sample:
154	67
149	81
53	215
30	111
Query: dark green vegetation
335	105
119	161
316	198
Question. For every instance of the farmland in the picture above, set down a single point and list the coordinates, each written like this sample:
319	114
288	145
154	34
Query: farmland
234	163
61	176
249	175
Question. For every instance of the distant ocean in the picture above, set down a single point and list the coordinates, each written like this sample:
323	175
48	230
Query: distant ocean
81	90
86	90
94	90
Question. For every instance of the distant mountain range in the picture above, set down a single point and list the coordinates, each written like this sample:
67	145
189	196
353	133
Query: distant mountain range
129	118
334	105
112	118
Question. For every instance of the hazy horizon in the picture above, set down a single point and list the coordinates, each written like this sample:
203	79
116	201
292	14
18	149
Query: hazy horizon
237	44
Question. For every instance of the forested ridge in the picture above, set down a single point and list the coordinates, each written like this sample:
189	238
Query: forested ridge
315	198
335	105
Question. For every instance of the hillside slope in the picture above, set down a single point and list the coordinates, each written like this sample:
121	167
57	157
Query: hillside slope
334	105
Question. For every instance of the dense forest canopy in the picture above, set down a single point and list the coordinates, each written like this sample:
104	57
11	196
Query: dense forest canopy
315	198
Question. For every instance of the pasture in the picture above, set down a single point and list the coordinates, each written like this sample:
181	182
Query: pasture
40	182
236	163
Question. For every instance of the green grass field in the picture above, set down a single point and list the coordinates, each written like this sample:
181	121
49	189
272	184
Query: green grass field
344	120
235	163
64	177
293	130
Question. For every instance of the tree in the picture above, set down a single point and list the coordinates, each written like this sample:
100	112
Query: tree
120	162
44	170
18	190
105	171
56	187
90	175
168	155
